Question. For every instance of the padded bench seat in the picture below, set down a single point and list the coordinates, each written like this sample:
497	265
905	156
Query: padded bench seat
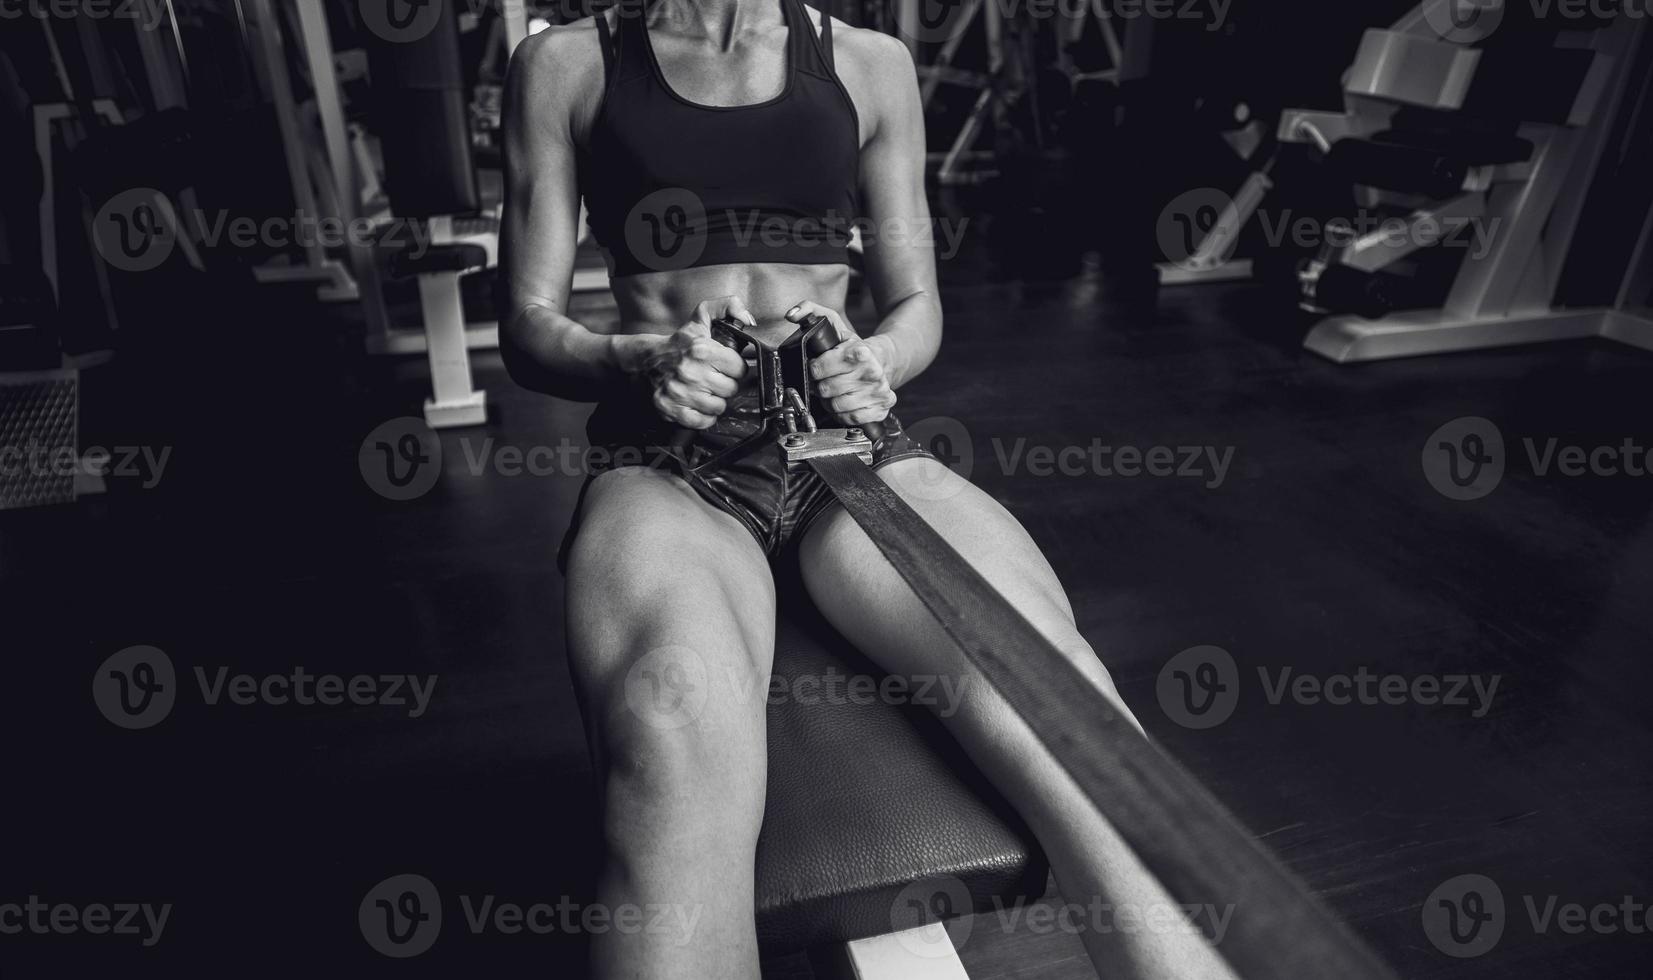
865	799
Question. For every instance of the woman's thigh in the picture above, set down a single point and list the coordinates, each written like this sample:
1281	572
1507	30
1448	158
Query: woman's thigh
864	597
671	615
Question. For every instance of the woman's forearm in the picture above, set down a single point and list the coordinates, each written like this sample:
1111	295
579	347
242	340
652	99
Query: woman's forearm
908	337
551	353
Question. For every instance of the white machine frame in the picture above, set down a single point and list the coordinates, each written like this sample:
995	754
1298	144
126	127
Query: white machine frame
1505	296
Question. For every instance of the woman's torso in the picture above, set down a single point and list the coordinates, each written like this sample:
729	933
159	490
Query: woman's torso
779	189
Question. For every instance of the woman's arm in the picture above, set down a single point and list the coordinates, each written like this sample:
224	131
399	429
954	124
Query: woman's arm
554	85
858	378
900	253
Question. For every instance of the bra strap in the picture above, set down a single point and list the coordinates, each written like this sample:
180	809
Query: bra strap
826	39
605	38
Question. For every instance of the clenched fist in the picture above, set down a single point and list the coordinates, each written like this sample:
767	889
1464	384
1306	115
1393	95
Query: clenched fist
849	378
692	375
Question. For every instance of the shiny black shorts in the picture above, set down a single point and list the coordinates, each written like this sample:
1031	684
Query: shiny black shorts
776	500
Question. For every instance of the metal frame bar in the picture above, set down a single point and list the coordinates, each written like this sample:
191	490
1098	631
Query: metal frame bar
1415	333
167	89
1632	328
515	15
1616	55
270	63
318	55
45	115
454	400
1377	251
1638	276
923	953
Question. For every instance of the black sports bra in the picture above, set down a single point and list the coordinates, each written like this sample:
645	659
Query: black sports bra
670	184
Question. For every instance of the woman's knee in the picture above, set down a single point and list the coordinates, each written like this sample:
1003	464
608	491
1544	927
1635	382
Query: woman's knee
683	748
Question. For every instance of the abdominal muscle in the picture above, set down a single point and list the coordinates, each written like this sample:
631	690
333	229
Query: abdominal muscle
661	302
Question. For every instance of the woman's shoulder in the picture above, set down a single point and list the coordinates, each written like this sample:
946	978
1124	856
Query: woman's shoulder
871	53
878	72
561	52
558	73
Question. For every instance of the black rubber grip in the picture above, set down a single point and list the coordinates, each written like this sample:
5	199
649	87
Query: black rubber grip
1398	167
821	341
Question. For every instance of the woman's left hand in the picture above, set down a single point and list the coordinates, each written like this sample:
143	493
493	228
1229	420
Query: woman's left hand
851	378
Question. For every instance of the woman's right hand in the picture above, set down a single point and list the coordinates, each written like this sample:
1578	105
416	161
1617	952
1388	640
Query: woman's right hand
692	375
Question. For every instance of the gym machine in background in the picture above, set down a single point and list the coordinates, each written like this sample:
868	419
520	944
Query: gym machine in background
1515	130
309	170
63	91
431	124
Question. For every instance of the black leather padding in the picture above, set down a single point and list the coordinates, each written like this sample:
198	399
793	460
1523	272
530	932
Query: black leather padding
863	800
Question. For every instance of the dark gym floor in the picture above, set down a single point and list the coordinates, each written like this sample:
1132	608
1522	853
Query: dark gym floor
1325	549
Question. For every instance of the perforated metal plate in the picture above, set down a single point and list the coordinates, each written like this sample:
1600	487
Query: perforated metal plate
38	438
